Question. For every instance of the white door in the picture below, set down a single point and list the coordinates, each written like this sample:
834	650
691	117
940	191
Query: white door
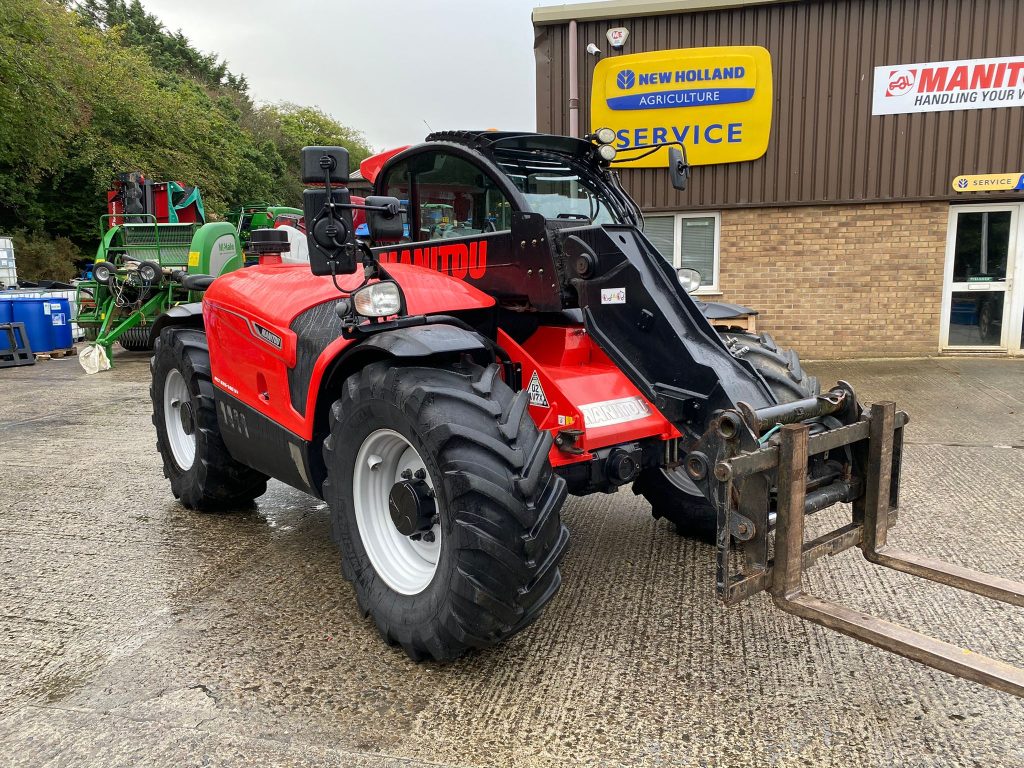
982	308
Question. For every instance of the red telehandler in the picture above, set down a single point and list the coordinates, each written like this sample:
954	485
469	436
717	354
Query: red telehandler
506	335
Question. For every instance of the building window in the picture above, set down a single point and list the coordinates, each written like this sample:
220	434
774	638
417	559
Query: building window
688	240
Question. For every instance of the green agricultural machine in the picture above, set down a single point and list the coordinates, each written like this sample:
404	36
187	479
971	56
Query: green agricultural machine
250	216
153	235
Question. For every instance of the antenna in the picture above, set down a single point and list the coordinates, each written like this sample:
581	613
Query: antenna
428	126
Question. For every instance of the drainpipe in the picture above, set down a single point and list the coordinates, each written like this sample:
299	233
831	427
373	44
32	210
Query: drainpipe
574	83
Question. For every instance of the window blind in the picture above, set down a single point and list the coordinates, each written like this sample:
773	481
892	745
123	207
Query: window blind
697	246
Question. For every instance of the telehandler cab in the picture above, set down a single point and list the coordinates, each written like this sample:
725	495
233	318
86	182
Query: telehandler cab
508	335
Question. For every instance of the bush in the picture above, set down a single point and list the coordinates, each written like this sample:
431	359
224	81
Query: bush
39	256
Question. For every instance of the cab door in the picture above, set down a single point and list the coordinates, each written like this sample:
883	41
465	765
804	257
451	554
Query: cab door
461	215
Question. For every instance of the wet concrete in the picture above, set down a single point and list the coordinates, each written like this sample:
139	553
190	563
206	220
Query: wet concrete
134	632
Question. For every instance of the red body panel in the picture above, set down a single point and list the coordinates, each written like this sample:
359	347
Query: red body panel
256	372
371	166
575	372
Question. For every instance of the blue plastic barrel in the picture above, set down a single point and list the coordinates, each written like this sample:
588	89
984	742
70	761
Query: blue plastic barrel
60	322
6	316
32	311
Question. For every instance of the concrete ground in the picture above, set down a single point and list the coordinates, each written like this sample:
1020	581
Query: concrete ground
134	632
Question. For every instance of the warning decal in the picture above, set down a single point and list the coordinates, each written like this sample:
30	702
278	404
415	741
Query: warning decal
537	396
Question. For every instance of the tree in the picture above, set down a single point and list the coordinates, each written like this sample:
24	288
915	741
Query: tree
93	88
291	127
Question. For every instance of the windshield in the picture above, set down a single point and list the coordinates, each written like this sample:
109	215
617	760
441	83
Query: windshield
553	187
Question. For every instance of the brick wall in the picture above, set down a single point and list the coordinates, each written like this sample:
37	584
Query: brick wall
840	281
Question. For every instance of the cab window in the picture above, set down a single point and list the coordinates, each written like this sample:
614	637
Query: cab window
448	197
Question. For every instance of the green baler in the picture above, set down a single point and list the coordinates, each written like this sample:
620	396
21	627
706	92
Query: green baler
137	272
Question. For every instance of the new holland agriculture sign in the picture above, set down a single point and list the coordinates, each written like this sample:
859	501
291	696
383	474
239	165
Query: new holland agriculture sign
945	86
716	101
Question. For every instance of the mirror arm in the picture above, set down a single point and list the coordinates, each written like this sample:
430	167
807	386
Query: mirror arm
327	165
652	148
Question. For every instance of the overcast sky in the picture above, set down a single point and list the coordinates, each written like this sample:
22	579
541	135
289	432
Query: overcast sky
381	67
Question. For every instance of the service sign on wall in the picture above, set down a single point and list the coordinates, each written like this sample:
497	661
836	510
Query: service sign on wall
946	86
716	101
989	182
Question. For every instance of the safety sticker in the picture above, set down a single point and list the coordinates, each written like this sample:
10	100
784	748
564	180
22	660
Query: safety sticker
193	258
537	396
613	295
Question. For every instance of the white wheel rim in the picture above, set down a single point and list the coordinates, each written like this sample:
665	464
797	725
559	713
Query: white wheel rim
176	397
406	566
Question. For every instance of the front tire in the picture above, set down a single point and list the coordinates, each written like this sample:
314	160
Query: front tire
202	473
671	493
497	535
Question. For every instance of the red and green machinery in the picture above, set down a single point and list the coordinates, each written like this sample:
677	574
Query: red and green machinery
152	236
250	216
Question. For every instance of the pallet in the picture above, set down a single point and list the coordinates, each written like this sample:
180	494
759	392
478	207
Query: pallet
57	354
747	322
18	351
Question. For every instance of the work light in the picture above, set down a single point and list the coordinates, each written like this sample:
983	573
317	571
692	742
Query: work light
381	299
607	152
604	135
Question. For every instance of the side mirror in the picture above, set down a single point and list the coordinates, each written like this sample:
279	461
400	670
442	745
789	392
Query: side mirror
384	218
678	167
317	160
329	232
688	278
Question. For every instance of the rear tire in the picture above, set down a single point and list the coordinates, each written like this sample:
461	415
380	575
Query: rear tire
202	473
499	533
136	339
779	367
671	493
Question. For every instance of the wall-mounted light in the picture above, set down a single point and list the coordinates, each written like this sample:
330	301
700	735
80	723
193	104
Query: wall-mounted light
593	50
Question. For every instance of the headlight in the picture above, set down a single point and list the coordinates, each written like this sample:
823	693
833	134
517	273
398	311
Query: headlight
604	135
378	300
689	279
606	151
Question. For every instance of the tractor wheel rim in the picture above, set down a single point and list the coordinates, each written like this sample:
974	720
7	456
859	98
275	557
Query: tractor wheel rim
176	399
406	565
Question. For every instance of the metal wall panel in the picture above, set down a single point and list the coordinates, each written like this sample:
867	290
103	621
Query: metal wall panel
825	145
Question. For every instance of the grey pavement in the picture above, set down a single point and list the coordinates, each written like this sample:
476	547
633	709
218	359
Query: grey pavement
135	632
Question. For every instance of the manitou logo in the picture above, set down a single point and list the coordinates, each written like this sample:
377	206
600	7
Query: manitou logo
266	335
901	81
944	86
459	260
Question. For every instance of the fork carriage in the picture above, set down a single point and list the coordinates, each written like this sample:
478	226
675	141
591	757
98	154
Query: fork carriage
861	461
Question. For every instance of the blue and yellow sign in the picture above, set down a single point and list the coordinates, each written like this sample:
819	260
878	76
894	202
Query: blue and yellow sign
716	101
990	182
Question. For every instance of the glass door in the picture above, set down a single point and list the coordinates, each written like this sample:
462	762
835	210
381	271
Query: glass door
978	310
